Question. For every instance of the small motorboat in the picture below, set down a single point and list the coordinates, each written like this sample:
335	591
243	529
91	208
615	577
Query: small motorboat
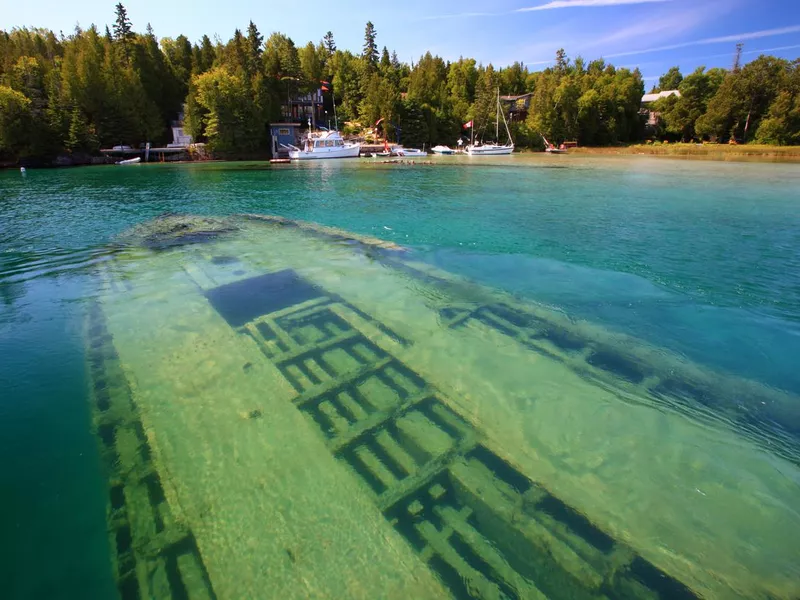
409	152
551	149
442	150
130	161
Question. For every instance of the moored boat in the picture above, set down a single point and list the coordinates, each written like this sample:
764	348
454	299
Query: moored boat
409	152
324	145
551	149
493	148
130	161
442	150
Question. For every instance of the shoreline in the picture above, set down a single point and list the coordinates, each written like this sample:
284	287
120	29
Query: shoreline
751	152
709	152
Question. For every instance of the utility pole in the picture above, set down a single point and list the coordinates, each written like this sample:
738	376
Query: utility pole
737	61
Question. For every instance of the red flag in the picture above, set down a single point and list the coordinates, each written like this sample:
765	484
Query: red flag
467	125
324	89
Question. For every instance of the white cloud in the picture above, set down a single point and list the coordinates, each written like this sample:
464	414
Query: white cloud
753	35
554	4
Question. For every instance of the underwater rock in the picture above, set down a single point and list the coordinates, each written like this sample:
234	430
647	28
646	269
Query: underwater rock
169	230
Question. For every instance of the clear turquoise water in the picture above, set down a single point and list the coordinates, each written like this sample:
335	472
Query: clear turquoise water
699	258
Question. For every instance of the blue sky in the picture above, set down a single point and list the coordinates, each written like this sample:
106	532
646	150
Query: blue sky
650	34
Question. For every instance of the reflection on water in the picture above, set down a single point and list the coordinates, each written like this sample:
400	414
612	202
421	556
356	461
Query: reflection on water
286	407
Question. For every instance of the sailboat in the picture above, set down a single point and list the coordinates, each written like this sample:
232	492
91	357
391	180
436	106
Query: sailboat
496	148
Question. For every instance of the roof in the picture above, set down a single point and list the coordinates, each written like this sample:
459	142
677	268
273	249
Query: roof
284	124
647	98
515	98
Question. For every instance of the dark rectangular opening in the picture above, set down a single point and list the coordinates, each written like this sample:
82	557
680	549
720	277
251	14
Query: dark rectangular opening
576	522
617	364
665	586
124	539
117	496
501	469
129	588
245	300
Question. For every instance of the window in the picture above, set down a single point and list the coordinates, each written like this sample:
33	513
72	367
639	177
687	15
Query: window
339	143
329	143
317	144
284	131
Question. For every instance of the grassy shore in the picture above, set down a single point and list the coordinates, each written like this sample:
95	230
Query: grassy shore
703	151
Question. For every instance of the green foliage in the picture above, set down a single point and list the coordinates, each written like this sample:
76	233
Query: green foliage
90	90
232	123
671	80
15	118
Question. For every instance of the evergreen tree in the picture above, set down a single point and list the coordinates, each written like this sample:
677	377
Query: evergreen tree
370	53
329	44
123	29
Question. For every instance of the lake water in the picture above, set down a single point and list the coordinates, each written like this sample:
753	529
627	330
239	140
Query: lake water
523	377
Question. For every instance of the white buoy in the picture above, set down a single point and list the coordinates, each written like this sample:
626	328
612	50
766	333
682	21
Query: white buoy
22	170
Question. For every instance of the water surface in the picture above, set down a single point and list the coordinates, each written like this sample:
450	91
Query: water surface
695	262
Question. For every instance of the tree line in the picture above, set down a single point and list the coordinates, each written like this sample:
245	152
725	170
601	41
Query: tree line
93	89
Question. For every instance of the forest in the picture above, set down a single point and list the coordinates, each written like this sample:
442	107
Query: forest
74	94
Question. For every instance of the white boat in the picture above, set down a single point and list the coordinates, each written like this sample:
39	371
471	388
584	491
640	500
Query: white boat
551	149
495	148
442	150
130	161
409	152
323	145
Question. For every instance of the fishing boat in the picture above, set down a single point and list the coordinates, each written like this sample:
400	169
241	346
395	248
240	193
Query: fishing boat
130	161
442	150
496	148
324	145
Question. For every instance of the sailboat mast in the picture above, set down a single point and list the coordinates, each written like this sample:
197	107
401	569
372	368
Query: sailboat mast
497	120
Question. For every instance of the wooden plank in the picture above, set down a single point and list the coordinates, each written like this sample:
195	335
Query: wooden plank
488	553
375	421
317	348
478	585
340	382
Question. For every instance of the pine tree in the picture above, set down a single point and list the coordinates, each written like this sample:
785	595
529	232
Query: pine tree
329	44
386	62
254	40
123	30
370	47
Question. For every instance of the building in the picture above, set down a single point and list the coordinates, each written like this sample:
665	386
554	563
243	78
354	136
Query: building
180	138
518	106
301	109
652	117
282	135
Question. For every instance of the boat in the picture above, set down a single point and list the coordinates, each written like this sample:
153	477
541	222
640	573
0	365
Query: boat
496	148
130	161
324	145
551	149
409	152
442	150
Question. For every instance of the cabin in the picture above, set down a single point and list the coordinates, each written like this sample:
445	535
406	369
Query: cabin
282	135
652	118
518	106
